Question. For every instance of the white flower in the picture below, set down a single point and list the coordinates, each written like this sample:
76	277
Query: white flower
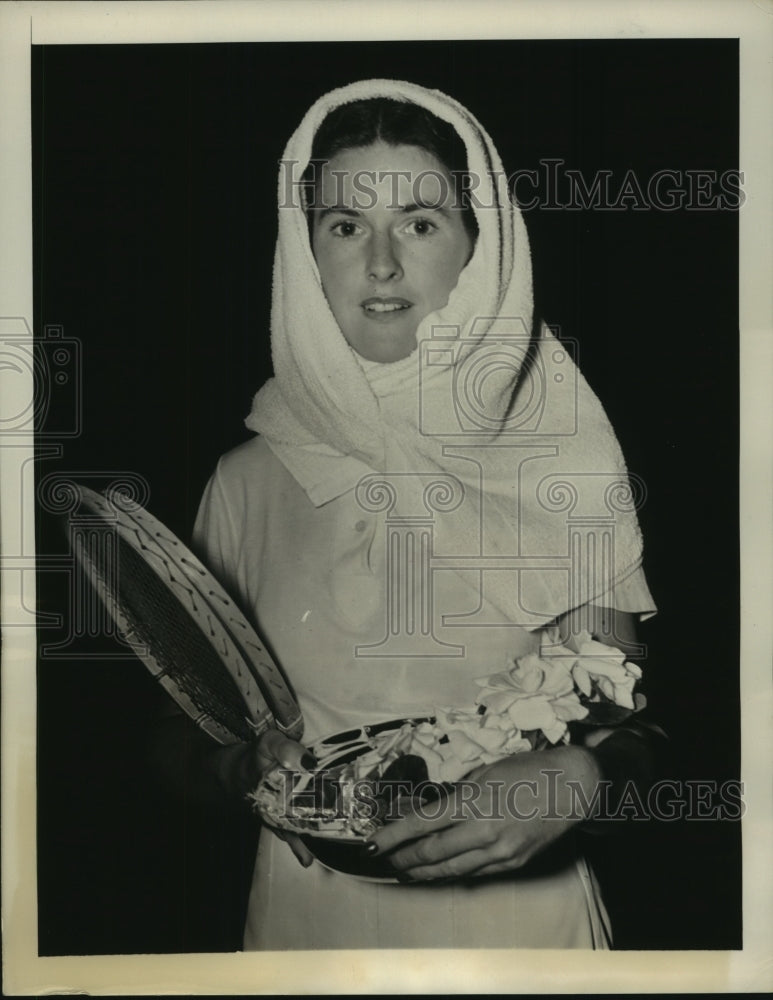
534	693
592	660
538	692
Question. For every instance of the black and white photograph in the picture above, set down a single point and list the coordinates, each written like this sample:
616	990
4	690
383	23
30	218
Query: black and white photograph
383	540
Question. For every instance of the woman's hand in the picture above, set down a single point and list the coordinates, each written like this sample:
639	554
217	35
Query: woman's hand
496	819
275	749
241	766
218	776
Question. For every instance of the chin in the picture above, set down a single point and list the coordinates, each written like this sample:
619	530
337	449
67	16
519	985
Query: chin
387	352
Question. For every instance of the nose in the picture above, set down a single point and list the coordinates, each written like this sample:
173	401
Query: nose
383	263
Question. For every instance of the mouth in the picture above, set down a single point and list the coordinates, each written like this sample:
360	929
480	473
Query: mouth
385	306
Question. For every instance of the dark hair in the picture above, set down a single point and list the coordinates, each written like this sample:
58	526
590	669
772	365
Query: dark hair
397	123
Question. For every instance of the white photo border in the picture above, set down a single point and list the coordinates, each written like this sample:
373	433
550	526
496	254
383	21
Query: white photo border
25	24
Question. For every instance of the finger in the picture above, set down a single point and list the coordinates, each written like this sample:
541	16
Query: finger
469	864
417	820
499	867
442	847
296	845
274	748
300	850
479	862
466	864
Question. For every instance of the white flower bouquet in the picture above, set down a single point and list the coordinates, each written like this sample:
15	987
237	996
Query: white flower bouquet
530	705
541	693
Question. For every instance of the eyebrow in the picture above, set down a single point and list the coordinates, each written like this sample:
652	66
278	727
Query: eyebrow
354	213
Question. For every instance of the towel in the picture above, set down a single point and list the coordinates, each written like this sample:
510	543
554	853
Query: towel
531	502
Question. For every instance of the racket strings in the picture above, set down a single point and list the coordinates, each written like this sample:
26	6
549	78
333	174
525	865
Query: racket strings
182	652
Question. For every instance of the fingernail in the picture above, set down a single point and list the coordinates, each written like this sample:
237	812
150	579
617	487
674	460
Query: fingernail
370	848
403	877
309	761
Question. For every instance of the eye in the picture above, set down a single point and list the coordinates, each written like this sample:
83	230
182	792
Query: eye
421	227
344	228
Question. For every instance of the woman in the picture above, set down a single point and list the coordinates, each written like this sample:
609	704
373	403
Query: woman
397	528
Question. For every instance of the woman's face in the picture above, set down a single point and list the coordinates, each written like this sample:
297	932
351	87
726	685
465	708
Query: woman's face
389	244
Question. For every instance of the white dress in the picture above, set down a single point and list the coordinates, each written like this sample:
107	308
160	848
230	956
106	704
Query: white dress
314	581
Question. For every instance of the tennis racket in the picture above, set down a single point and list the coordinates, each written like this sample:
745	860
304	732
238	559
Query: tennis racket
179	620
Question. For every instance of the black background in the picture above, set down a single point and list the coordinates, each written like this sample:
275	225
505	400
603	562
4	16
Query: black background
154	176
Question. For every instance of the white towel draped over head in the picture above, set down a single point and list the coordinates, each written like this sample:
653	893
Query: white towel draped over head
531	502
